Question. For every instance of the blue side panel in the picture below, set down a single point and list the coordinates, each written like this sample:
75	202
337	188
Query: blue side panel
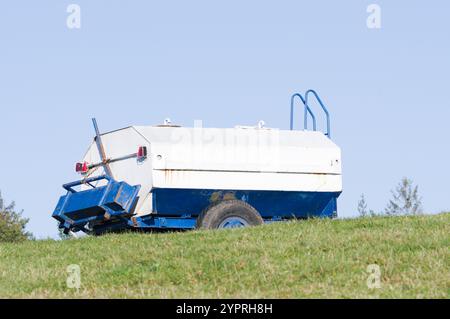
83	204
121	196
177	202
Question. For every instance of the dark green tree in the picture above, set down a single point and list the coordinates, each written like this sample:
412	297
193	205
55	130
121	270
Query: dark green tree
12	224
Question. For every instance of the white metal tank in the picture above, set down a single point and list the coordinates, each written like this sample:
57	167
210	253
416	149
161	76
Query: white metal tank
241	158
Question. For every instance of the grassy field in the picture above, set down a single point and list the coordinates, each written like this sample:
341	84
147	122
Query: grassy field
315	258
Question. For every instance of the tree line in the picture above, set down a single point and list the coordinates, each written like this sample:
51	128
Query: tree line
405	201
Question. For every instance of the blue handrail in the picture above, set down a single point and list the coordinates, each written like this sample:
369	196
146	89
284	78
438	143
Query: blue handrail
69	187
307	110
328	133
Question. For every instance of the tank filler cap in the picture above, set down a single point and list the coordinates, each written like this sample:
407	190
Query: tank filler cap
168	123
260	126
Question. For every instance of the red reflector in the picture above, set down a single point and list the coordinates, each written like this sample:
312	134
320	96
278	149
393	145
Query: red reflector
142	153
82	168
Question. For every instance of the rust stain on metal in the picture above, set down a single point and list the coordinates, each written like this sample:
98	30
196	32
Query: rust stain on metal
168	175
229	196
214	197
119	193
219	196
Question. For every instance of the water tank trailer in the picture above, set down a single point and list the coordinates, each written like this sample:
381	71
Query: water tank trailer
168	177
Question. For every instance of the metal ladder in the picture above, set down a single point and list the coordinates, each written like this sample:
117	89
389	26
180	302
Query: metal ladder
308	111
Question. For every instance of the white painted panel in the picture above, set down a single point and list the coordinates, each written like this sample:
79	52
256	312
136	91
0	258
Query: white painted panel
121	143
247	181
242	150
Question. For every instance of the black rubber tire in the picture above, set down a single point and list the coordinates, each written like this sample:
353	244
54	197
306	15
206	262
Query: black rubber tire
214	215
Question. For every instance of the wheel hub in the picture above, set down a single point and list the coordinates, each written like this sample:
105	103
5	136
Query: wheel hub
233	222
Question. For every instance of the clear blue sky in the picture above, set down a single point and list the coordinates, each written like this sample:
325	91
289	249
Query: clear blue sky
225	62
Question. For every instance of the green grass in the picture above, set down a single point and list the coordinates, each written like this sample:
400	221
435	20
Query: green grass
314	258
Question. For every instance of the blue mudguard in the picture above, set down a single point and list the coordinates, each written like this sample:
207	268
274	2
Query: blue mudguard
77	208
